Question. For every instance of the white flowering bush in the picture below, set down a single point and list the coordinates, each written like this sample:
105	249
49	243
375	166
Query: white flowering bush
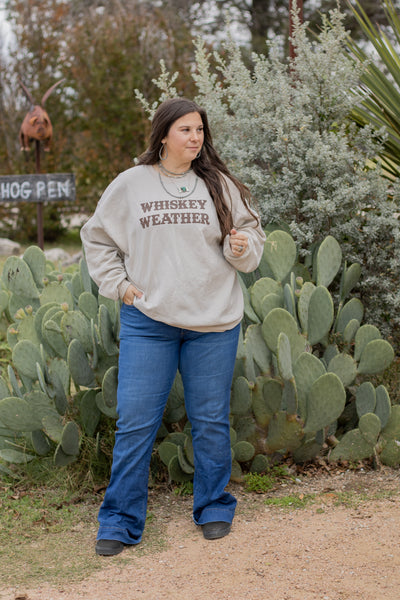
283	130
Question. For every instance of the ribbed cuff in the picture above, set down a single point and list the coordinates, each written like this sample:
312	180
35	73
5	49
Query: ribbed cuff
123	286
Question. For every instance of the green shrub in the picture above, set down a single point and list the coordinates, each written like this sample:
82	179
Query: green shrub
284	130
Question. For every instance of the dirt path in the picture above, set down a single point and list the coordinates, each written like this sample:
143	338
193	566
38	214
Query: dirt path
344	545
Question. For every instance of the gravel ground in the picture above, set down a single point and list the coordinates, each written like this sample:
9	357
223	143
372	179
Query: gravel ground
342	546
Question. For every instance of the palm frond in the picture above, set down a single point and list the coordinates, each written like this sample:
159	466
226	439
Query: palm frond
380	91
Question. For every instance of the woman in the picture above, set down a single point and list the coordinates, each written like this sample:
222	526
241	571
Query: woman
166	238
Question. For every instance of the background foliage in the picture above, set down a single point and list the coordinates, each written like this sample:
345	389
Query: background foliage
286	131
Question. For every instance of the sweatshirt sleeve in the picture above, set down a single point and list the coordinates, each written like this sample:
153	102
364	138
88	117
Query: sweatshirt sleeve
103	238
245	222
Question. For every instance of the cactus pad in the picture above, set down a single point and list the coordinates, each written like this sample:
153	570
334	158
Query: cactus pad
320	315
17	414
352	446
266	399
345	368
390	454
350	278
260	464
370	427
243	451
303	303
175	472
263	287
240	397
25	355
328	261
183	462
364	335
40	442
75	325
280	253
284	433
284	356
89	412
53	427
70	439
87	303
353	309
307	369
350	330
109	411
248	309
58	293
277	321
36	261
18	278
376	357
256	348
81	371
365	398
106	333
325	402
383	407
61	459
392	428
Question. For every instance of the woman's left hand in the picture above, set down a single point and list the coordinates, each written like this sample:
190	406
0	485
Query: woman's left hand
238	242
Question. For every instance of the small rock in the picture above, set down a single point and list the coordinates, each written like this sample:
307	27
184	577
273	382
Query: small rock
74	259
9	248
57	255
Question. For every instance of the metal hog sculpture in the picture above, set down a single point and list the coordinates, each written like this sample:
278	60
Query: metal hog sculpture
36	124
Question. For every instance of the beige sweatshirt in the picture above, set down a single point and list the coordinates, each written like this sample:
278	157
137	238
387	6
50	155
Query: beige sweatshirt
169	248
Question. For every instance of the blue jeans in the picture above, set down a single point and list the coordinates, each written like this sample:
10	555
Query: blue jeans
150	354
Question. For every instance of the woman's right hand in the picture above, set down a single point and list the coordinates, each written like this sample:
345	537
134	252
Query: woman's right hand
130	294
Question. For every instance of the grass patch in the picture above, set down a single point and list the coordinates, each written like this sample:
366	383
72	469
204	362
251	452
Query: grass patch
354	498
264	482
184	489
290	502
44	533
49	526
351	499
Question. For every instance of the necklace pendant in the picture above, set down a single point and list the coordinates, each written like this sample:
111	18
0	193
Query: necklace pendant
183	188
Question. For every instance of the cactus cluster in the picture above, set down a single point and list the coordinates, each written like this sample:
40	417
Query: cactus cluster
305	354
64	340
300	376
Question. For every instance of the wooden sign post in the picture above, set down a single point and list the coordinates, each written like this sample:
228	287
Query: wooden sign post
39	188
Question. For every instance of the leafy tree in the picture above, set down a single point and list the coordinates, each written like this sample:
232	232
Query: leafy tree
266	19
103	52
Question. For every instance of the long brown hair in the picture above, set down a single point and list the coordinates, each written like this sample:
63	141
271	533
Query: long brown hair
208	166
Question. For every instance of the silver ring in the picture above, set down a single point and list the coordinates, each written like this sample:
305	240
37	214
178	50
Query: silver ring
240	248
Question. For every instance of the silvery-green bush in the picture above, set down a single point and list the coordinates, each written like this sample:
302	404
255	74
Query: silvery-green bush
283	129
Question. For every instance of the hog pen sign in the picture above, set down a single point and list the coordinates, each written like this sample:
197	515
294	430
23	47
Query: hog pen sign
49	187
38	188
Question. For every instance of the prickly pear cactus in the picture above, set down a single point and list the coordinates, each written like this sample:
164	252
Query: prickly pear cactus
60	348
320	354
300	381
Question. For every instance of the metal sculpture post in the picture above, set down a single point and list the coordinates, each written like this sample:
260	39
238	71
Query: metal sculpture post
37	126
39	208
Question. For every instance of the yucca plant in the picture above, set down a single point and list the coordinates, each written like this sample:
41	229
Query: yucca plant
380	87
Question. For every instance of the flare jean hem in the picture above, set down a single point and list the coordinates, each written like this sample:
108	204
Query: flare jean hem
151	353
